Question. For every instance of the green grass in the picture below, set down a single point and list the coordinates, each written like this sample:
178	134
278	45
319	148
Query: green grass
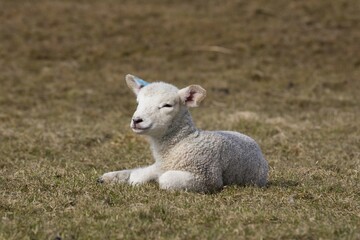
290	79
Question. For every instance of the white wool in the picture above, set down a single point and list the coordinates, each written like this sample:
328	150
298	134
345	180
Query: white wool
187	158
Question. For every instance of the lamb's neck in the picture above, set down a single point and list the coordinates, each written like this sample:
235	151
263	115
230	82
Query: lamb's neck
180	129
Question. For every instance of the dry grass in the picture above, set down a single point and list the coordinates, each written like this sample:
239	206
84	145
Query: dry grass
286	73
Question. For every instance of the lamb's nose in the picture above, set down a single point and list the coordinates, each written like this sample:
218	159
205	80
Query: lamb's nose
137	120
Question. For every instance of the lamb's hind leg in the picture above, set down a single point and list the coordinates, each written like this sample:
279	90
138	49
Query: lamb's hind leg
178	180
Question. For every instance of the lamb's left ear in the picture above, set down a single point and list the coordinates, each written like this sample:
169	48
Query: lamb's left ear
135	83
192	95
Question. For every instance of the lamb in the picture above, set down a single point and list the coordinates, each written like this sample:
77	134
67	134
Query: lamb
187	158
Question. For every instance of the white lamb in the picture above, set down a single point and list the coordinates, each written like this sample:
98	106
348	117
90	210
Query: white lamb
187	158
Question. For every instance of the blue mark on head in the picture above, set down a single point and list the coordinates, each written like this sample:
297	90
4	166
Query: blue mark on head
141	82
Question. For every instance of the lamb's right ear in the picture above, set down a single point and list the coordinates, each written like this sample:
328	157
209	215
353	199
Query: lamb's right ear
135	83
192	95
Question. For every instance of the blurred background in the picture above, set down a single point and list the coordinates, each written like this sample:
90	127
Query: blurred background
63	63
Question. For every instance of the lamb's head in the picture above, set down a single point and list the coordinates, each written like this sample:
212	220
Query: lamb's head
161	105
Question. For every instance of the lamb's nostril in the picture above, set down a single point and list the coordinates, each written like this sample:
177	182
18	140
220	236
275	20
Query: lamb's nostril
137	120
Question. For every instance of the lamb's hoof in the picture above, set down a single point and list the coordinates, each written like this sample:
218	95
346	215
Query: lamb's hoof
115	177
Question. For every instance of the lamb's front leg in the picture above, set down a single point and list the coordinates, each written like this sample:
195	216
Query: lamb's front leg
115	177
133	176
143	175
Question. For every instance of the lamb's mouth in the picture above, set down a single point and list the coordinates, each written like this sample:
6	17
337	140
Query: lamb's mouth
140	129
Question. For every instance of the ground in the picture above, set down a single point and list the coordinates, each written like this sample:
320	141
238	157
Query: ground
286	73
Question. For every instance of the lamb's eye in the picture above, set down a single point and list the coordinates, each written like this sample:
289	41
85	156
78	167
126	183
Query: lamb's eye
166	106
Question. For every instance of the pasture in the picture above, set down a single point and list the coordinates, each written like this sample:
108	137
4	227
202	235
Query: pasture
286	73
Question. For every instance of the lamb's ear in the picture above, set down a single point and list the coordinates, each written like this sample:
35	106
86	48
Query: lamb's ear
135	83
192	95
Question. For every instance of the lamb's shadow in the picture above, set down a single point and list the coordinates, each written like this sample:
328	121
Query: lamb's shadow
277	183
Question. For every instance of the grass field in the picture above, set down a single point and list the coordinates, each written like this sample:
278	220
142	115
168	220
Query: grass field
287	73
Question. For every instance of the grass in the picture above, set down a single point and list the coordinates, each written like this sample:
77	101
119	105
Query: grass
284	72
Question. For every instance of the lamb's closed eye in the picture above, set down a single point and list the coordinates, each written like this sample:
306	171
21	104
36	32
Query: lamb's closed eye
167	106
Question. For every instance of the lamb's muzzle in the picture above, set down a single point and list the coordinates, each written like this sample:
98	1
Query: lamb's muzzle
137	120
